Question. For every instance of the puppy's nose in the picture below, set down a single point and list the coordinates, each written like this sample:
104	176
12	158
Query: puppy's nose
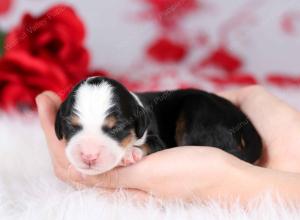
89	158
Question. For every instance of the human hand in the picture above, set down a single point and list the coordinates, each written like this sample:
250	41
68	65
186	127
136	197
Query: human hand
276	122
183	172
189	172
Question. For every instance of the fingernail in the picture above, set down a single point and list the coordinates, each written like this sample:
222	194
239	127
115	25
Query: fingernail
38	97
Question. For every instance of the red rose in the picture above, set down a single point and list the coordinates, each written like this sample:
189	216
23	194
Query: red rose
23	76
165	50
56	35
5	5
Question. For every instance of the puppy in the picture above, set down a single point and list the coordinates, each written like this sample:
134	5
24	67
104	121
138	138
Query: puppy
105	125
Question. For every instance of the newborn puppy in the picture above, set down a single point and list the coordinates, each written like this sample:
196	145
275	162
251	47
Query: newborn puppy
105	125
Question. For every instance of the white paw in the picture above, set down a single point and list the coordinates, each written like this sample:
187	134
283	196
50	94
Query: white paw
132	155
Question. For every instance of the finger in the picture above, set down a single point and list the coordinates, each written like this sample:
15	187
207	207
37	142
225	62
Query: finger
55	98
278	124
117	178
138	195
121	177
134	194
276	121
141	174
231	95
82	182
48	104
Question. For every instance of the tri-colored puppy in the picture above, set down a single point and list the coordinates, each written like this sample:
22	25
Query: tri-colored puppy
105	125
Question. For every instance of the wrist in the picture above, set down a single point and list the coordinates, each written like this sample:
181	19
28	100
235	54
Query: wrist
242	181
231	179
258	181
252	182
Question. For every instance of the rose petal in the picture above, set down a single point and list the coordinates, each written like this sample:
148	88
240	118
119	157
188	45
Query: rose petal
165	50
283	80
234	79
223	59
5	6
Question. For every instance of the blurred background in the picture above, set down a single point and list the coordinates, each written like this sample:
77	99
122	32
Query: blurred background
148	45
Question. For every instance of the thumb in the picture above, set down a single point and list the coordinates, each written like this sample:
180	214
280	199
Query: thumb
130	177
47	105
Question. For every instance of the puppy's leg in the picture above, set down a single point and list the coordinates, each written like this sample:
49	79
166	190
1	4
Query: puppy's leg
132	155
135	154
153	144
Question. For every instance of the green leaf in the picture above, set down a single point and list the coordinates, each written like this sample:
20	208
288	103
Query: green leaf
2	36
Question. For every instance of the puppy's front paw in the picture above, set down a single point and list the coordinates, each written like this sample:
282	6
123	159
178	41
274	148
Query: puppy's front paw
132	155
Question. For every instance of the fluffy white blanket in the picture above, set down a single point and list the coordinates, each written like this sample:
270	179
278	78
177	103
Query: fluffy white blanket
29	190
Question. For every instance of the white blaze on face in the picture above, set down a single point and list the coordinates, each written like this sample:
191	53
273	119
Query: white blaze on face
92	103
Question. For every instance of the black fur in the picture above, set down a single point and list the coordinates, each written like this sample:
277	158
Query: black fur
210	121
63	127
129	114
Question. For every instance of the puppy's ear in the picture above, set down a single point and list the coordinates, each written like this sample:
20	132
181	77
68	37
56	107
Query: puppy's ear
63	112
59	123
142	121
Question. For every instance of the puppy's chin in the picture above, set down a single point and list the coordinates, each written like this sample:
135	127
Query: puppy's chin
94	171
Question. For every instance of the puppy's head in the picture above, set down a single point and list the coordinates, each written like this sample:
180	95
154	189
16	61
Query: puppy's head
100	119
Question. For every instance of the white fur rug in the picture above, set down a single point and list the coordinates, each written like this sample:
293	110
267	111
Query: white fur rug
29	190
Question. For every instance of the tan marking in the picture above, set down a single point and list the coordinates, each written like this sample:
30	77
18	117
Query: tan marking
129	140
180	130
243	144
75	120
110	121
146	149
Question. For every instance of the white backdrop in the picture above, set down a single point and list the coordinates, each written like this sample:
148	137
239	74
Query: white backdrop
116	39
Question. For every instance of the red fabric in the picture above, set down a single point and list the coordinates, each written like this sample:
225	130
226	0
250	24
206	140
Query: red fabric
165	50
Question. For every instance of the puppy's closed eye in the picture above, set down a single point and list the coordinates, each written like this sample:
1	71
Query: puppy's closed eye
110	122
73	124
74	121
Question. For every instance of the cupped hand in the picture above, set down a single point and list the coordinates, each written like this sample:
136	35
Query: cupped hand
183	172
189	172
276	122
